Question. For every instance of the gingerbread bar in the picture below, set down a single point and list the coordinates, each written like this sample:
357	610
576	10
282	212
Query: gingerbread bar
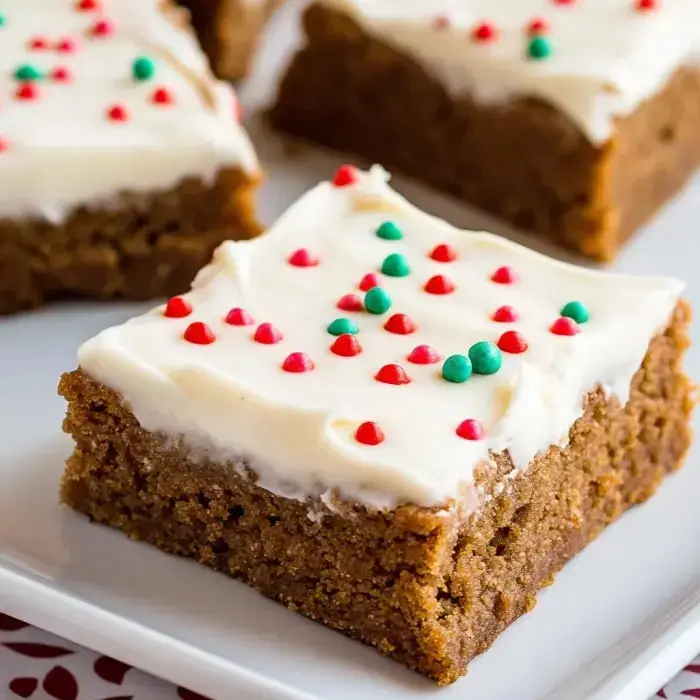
397	428
229	31
575	121
122	163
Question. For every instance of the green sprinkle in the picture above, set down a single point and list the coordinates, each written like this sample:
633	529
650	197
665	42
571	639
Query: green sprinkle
2	20
575	310
28	72
539	48
341	326
389	231
377	301
143	68
395	265
486	357
457	369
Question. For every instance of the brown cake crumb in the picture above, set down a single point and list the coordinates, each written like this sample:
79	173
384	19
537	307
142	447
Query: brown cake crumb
430	589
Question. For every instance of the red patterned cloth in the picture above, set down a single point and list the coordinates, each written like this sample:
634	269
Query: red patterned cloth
38	665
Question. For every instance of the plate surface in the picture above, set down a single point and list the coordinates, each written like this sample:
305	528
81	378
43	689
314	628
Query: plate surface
621	619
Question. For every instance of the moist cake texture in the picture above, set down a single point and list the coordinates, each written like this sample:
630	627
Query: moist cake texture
122	163
556	117
454	417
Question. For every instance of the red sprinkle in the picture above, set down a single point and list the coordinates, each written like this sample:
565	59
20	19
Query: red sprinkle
61	74
4	144
239	317
512	342
563	2
199	334
302	258
102	27
162	96
117	113
538	26
369	281
484	32
66	46
392	374
400	324
27	91
267	334
344	176
87	5
38	43
423	355
177	307
297	362
439	284
350	302
643	5
505	314
443	253
504	275
565	326
346	345
369	433
470	429
441	22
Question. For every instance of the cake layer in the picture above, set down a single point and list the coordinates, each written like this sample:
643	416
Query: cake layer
359	338
108	97
428	588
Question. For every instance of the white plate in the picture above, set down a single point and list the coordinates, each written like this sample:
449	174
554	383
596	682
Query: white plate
621	619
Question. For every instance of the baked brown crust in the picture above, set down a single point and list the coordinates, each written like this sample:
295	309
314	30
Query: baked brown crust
142	245
524	162
229	31
428	589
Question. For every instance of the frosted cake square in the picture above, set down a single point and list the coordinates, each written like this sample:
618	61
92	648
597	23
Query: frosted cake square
397	428
572	120
122	161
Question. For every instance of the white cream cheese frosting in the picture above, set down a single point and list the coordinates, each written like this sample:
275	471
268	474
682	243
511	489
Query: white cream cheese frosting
605	57
232	397
63	146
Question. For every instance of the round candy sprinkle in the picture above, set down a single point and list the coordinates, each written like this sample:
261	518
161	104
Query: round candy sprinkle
302	258
441	22
392	374
346	345
505	314
177	307
512	342
457	369
38	43
162	96
443	253
143	68
423	355
368	281
400	324
341	326
60	74
344	176
199	334
486	357
102	27
389	231
395	265
369	433
377	301
66	46
239	317
564	326
2	20
117	113
470	429
267	334
484	32
539	48
439	284
350	302
27	91
575	310
537	26
87	5
643	5
27	72
297	362
4	144
504	275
